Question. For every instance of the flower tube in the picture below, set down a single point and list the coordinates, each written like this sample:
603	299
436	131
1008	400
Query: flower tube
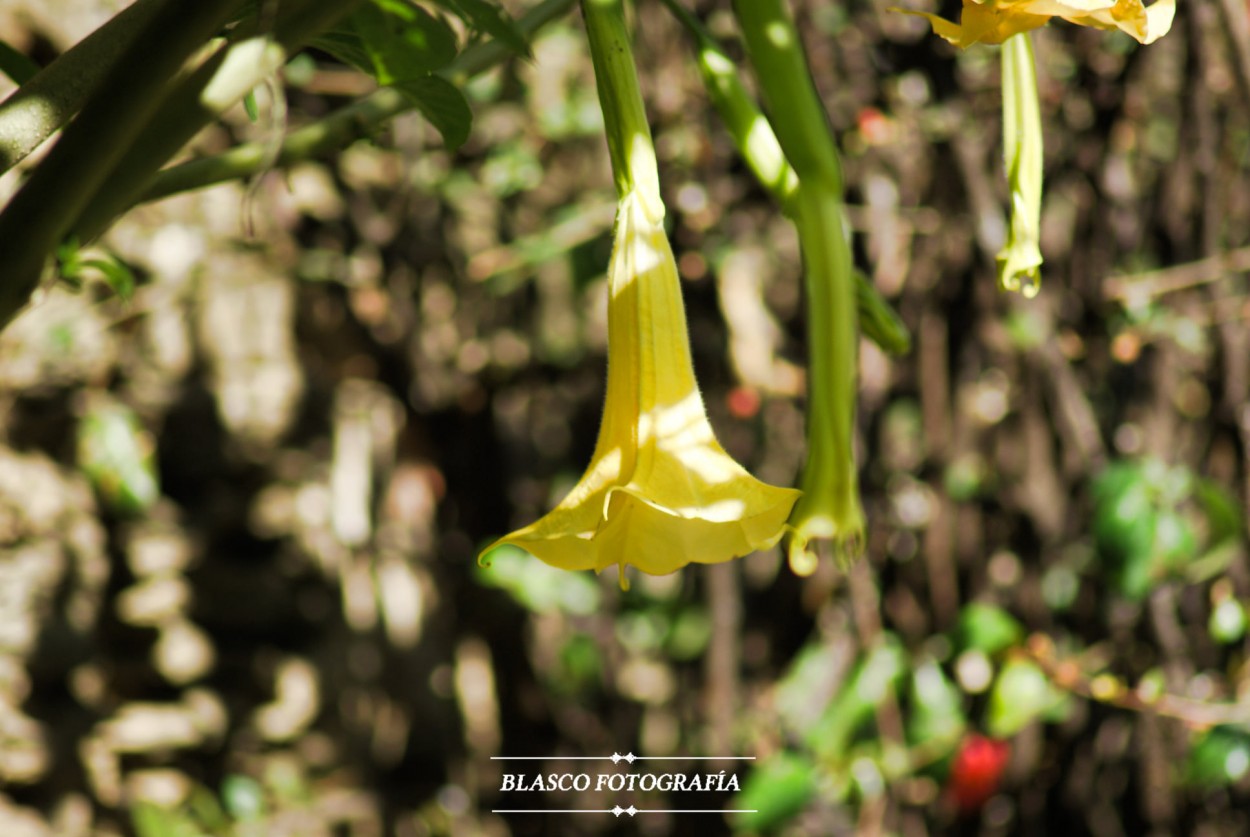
660	491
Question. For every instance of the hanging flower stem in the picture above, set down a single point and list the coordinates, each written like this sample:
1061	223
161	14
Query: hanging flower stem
830	505
625	119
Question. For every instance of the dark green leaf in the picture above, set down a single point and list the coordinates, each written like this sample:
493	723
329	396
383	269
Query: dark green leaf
345	45
15	65
487	17
405	43
1220	758
444	105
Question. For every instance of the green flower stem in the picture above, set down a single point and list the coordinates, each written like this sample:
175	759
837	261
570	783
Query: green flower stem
341	127
830	506
43	105
757	143
223	80
40	214
624	117
750	129
1020	261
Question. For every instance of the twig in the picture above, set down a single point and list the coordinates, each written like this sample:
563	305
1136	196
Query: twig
1142	286
1112	691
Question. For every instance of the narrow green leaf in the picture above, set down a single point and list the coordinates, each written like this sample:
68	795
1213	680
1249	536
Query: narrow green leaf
249	106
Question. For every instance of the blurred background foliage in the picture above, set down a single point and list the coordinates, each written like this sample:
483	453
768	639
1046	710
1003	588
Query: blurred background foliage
254	439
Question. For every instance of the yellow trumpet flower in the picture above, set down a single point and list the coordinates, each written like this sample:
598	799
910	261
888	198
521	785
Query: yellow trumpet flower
994	21
660	491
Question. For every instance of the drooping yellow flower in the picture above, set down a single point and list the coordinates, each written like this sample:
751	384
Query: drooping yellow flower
660	491
994	21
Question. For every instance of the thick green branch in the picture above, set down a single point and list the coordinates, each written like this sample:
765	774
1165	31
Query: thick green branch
39	215
45	103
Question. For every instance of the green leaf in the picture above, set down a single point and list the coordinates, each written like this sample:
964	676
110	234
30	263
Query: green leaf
936	707
116	275
243	796
346	45
1222	511
15	65
776	791
154	821
488	17
1220	758
1228	622
249	106
404	42
537	586
877	675
1021	695
443	104
117	455
987	628
878	320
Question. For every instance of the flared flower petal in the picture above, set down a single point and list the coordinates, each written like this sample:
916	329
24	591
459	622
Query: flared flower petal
660	491
994	21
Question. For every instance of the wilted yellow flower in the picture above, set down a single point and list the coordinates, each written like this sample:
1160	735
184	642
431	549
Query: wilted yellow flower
660	491
993	21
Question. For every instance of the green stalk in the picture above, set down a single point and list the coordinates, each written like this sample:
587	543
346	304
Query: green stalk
625	119
757	144
43	105
1020	260
38	217
830	505
341	127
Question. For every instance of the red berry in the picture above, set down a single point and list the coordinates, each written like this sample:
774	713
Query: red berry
743	402
976	771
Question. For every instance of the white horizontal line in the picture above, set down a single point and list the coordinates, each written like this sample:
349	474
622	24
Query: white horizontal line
553	758
693	758
608	758
625	811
